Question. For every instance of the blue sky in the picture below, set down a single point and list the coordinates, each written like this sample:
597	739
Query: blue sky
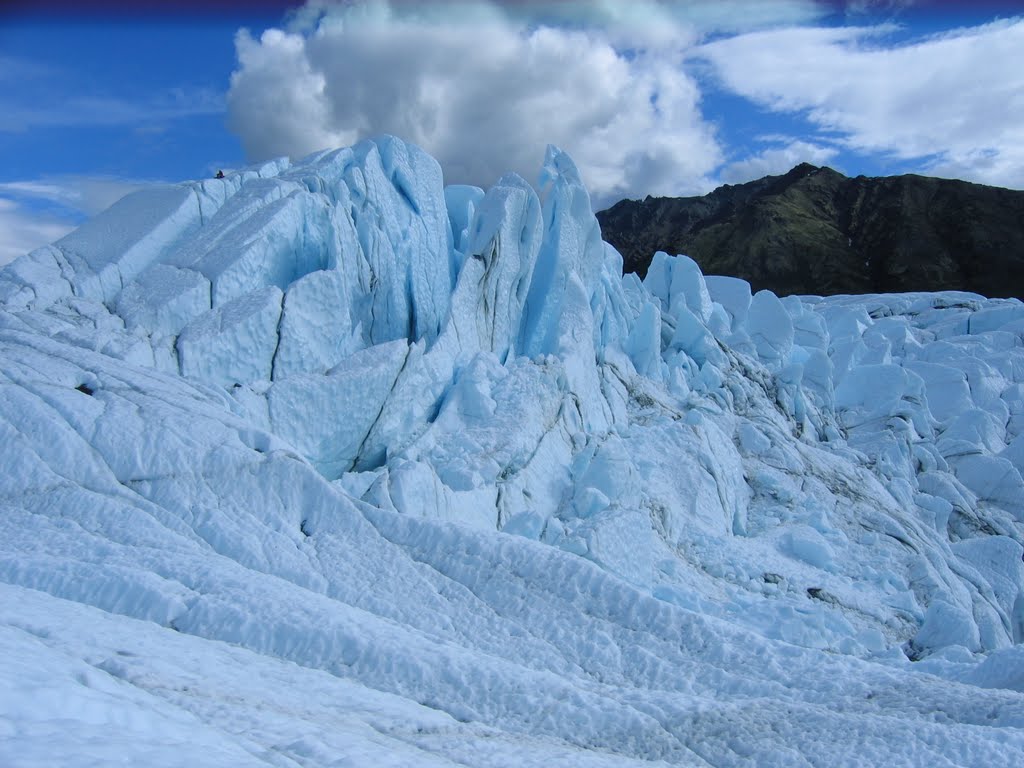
649	96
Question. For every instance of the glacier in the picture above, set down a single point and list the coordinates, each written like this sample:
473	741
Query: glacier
326	463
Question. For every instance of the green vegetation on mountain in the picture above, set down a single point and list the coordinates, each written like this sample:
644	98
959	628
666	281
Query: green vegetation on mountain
816	231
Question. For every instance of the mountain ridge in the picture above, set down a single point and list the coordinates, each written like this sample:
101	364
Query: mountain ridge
814	231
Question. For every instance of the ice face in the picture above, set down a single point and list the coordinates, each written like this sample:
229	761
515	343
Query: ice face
425	453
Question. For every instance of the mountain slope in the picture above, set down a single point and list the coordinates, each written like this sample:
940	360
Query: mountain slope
327	463
815	231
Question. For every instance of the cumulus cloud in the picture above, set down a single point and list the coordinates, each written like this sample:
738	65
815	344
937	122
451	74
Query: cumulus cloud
953	102
485	90
778	159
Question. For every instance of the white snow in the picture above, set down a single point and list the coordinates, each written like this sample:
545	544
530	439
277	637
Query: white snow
327	464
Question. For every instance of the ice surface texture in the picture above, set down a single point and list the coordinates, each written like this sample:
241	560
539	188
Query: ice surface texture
327	464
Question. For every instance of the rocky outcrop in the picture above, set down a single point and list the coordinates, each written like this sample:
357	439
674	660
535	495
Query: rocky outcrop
815	231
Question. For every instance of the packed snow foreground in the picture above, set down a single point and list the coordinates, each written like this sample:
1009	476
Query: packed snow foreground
329	464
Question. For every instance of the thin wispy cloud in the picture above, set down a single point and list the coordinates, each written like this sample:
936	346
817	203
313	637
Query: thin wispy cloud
175	104
17	68
36	212
23	230
87	195
783	154
953	102
652	19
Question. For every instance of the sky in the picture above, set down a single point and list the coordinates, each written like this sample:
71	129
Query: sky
650	97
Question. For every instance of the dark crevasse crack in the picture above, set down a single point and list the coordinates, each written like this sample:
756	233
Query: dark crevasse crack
277	346
361	463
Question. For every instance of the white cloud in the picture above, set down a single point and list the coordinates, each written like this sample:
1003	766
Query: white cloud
863	7
777	160
73	110
953	102
486	91
85	195
22	231
1001	168
742	15
648	19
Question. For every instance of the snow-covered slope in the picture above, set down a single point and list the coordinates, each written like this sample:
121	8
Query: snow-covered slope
328	464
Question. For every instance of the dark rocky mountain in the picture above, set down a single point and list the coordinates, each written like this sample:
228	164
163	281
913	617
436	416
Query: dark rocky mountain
815	231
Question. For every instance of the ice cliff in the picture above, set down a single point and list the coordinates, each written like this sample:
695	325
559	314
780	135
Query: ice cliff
424	451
